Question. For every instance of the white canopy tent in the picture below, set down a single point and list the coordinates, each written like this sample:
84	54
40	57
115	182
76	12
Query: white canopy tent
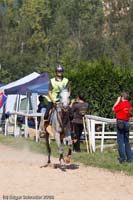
20	89
12	99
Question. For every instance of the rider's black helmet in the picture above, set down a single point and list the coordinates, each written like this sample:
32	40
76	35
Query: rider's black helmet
59	68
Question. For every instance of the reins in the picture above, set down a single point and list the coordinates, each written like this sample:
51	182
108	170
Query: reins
61	117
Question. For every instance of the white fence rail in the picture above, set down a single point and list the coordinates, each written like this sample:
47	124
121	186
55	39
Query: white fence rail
91	122
26	116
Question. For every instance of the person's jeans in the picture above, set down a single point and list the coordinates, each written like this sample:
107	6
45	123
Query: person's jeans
124	148
78	128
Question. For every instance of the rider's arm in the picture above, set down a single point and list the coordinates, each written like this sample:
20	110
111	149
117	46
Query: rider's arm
116	106
50	95
50	92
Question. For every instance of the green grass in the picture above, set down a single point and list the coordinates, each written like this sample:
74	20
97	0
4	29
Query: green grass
107	159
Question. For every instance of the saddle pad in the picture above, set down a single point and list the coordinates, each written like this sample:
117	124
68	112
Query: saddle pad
50	130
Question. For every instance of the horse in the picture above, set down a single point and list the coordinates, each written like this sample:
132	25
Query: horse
60	125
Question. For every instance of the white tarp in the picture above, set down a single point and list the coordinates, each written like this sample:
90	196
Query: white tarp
25	79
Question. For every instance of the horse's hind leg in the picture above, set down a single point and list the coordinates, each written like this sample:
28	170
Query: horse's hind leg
69	152
61	157
67	158
48	147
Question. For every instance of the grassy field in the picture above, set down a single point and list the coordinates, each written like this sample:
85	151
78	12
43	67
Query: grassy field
107	159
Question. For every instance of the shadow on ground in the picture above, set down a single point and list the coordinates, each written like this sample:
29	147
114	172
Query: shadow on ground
62	167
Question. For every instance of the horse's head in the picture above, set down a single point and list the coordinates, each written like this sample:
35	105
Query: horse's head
64	98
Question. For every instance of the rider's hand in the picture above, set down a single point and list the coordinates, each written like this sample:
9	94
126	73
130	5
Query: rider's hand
119	98
54	103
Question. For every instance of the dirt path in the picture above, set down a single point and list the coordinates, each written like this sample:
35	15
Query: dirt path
22	178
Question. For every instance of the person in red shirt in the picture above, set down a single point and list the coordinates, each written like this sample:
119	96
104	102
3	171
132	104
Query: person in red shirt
123	109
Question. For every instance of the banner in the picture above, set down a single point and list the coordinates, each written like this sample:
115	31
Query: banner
3	99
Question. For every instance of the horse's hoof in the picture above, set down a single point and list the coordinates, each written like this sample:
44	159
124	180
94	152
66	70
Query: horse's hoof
67	160
62	162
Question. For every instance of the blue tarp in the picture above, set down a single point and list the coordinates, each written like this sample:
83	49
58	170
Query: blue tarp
2	84
40	82
41	89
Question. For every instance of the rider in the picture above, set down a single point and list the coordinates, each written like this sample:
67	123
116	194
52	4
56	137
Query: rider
57	84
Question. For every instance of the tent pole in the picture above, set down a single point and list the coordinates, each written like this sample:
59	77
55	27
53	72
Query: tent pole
26	117
15	116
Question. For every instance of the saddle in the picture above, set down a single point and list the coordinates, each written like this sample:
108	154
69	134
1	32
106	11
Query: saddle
50	130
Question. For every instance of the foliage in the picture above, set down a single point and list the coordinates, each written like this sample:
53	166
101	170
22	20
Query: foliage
119	35
91	38
101	82
36	35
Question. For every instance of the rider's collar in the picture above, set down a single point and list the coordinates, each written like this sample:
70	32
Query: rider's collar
59	78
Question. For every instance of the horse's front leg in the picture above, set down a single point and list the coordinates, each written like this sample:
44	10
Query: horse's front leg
59	144
69	152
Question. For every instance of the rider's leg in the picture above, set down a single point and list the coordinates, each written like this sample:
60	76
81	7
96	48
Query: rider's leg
48	108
